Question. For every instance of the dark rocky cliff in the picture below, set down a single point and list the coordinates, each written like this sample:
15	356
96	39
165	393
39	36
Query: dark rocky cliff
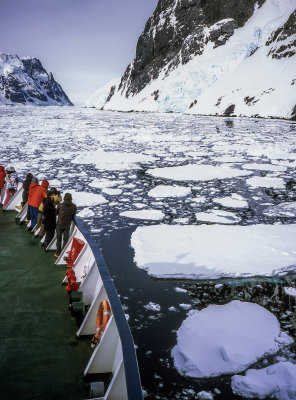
175	33
25	81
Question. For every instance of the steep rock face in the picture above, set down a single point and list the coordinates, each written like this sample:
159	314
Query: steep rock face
190	46
25	81
175	33
283	39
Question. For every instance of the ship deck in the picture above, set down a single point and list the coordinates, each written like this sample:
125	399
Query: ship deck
40	357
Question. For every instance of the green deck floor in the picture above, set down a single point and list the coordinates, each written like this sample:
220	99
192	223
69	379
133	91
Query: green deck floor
40	357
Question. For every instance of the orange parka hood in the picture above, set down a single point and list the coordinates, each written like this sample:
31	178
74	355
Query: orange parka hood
44	184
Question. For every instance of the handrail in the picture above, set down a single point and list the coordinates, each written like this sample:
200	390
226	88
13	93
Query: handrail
133	384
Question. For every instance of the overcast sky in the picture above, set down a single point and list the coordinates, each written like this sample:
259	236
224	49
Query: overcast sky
84	43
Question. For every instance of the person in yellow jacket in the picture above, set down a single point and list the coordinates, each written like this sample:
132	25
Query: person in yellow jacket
57	199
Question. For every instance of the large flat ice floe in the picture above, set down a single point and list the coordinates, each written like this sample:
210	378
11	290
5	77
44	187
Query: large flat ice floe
214	251
275	382
112	160
226	339
197	172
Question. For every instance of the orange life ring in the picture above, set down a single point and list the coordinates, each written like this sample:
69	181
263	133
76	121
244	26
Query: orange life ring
103	316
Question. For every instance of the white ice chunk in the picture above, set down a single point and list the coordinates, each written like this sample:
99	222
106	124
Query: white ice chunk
290	291
217	216
140	205
104	183
113	160
185	306
213	251
86	212
112	192
282	210
180	290
196	172
169	191
205	395
265	167
87	199
258	181
154	215
233	201
199	200
152	306
225	339
181	220
277	382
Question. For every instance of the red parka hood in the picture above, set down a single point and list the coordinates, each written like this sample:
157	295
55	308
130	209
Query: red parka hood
44	184
32	185
2	169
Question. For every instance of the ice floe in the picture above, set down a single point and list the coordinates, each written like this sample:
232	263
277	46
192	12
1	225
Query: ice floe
277	381
112	160
290	291
217	216
266	182
112	192
140	205
181	221
265	167
226	339
233	201
197	172
287	210
152	306
169	191
85	213
154	215
199	200
87	199
104	183
203	395
214	251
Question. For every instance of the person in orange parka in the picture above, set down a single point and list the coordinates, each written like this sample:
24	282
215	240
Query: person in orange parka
2	181
36	195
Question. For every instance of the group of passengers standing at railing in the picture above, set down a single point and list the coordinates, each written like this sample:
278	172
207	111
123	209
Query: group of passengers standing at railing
46	210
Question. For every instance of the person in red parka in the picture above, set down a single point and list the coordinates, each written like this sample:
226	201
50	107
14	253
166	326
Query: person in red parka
2	182
36	195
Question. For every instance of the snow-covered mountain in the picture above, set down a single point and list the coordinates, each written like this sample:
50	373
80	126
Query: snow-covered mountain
102	95
211	57
25	81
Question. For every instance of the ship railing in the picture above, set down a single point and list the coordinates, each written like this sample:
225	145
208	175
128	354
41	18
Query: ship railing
115	352
16	199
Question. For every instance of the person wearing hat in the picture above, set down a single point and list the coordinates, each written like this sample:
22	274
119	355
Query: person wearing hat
11	184
34	183
49	218
66	212
56	197
26	185
36	195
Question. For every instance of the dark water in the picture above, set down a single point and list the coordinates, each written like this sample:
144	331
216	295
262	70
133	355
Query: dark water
155	332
